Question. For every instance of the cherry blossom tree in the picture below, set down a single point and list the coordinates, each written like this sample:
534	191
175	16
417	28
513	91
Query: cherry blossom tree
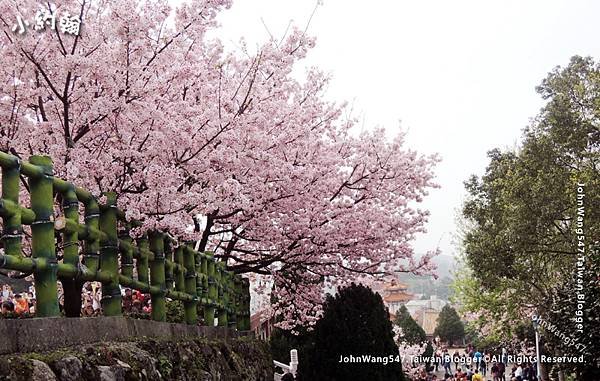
410	355
141	102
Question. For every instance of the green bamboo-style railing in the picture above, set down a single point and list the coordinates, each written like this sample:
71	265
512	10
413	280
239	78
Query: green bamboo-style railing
165	269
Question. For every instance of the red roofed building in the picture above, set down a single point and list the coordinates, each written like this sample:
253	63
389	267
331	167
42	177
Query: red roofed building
262	325
394	295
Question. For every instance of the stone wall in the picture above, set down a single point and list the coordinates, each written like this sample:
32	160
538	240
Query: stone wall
41	334
117	348
150	359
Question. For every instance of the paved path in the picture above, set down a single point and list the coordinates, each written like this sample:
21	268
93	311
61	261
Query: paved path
457	351
440	372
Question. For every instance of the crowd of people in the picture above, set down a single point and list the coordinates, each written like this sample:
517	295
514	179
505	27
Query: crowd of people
17	303
22	304
135	302
473	365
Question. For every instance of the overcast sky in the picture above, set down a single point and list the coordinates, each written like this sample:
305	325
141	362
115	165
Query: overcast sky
459	75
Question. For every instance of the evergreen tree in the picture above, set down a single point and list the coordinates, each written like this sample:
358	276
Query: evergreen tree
449	328
355	323
412	333
522	244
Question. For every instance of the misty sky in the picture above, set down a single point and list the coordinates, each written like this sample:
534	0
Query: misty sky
460	76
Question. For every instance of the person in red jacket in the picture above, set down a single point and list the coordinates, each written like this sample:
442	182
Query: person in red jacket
21	305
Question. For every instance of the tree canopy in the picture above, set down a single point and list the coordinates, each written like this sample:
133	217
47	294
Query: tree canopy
528	228
355	322
223	147
449	326
412	333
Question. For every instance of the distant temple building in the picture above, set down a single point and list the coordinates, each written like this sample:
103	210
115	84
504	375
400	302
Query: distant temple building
262	325
426	312
432	303
394	295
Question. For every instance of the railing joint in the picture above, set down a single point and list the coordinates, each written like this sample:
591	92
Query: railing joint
88	216
17	233
43	221
67	244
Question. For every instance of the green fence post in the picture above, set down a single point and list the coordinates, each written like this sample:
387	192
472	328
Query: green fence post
231	301
246	303
126	252
169	264
179	273
70	238
157	276
209	308
222	284
204	279
191	314
12	232
200	291
71	286
238	303
142	261
109	261
42	240
91	254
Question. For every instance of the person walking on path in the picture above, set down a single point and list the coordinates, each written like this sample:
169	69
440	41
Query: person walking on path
501	371
447	362
477	359
519	373
483	365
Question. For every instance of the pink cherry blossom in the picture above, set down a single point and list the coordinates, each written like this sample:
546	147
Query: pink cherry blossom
185	131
